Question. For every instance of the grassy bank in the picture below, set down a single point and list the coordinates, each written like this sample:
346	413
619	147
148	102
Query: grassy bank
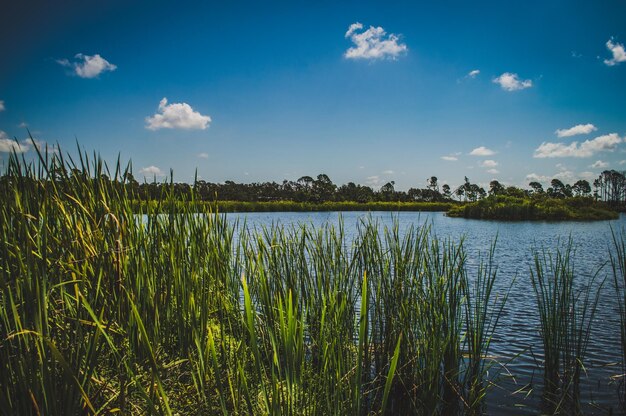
102	311
292	206
514	209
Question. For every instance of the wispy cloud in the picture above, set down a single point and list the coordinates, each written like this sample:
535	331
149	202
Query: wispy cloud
482	151
8	145
488	163
577	129
152	171
588	148
450	158
534	177
2	107
511	82
177	116
493	171
617	49
388	172
374	181
203	155
598	164
373	43
86	66
474	73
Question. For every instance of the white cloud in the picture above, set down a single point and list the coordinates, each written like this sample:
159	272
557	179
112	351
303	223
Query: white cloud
203	155
373	43
622	162
493	171
374	181
577	129
533	177
87	66
2	107
177	116
489	163
450	158
511	82
387	172
588	148
482	151
617	49
152	171
598	164
22	125
474	73
8	145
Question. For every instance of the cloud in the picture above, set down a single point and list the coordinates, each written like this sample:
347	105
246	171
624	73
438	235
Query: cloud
577	129
482	151
598	164
2	107
588	148
373	43
617	49
622	162
533	177
152	171
511	82
387	172
493	171
176	116
450	158
203	155
473	74
86	66
374	181
489	163
8	145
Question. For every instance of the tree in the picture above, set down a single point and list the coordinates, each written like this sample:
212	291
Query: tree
446	191
536	187
557	189
387	191
582	188
323	188
495	188
432	183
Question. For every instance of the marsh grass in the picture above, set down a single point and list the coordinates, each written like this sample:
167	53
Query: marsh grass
566	310
109	306
618	267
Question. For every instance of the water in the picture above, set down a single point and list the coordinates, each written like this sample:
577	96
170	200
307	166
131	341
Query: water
517	348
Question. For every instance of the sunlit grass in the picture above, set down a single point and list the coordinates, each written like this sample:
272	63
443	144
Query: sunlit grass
177	310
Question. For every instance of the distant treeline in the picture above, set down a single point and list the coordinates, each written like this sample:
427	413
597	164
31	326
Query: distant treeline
609	187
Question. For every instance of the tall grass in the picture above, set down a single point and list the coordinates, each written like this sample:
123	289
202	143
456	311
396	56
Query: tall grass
566	310
618	266
175	309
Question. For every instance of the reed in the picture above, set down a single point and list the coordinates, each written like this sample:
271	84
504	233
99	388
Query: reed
111	305
618	267
566	309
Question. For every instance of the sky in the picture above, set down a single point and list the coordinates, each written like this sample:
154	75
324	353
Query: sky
368	92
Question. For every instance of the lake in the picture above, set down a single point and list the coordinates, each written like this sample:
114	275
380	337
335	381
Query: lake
517	347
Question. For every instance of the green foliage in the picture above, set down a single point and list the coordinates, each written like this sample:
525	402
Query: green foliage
112	305
501	207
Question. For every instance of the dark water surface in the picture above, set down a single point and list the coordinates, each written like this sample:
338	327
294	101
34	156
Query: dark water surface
517	347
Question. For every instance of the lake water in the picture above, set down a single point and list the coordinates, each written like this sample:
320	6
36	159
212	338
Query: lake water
517	346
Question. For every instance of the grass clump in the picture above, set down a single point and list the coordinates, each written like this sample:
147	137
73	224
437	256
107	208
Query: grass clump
566	312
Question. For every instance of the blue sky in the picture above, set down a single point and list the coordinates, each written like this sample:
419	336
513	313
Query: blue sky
364	92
